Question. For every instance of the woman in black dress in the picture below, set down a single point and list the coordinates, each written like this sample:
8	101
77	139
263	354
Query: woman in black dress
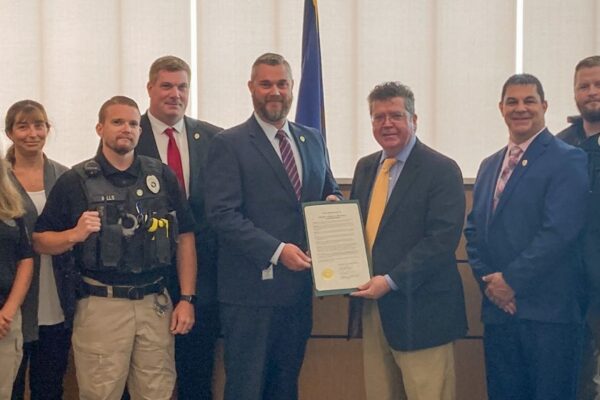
16	270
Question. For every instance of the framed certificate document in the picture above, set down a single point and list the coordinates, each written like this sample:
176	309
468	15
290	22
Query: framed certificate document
340	262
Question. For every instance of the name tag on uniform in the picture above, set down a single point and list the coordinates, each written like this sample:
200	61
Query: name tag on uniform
267	273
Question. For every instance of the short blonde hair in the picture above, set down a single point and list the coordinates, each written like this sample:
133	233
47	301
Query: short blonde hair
168	63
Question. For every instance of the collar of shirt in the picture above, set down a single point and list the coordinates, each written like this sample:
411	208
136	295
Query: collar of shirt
523	145
162	144
396	169
271	131
159	127
403	154
109	170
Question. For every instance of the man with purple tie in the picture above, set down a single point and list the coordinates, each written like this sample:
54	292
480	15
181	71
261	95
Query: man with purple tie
258	174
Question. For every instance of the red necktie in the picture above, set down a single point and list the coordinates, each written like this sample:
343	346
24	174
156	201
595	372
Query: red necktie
174	157
289	163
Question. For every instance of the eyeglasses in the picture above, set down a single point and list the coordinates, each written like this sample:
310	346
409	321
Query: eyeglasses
394	117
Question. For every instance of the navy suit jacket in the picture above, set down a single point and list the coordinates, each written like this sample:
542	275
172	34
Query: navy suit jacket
532	235
252	206
199	136
415	245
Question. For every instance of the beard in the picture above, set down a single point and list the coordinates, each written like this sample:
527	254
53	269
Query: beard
275	115
589	115
119	148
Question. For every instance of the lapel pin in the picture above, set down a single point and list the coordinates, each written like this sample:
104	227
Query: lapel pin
196	136
302	139
598	140
524	163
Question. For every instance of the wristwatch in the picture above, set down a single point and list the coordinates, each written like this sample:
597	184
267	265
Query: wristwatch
190	298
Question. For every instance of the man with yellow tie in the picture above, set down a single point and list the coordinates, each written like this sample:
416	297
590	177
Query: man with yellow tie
413	200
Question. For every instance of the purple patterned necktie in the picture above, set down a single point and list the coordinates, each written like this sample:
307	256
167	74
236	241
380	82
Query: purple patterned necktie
514	155
289	163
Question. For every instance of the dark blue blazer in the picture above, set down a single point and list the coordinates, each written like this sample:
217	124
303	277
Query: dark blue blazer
532	235
252	206
199	136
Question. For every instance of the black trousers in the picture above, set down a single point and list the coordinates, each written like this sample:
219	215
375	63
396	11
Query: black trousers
47	360
264	350
195	355
531	360
588	389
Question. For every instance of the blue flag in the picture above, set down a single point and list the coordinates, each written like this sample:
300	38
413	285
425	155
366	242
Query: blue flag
311	108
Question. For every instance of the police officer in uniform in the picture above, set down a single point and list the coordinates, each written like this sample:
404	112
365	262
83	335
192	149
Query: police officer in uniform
126	221
584	133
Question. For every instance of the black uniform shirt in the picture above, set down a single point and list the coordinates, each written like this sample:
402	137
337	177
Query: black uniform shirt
575	135
14	246
67	201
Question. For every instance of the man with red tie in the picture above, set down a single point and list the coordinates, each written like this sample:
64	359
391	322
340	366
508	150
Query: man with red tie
182	143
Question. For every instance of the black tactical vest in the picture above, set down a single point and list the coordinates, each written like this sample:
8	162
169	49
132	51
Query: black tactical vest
139	227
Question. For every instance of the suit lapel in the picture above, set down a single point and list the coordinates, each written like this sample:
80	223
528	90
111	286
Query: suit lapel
299	139
260	141
488	180
407	178
193	137
363	193
534	151
147	145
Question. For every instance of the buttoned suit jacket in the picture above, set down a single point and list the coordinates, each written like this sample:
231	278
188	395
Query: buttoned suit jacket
531	236
415	245
199	135
253	207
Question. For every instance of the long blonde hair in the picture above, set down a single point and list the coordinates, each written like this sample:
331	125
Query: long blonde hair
11	203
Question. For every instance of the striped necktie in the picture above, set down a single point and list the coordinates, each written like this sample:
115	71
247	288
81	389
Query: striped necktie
289	163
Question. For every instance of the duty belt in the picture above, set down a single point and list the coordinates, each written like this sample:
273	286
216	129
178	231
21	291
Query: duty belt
124	292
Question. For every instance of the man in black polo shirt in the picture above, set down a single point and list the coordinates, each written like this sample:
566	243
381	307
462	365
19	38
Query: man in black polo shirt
125	218
584	132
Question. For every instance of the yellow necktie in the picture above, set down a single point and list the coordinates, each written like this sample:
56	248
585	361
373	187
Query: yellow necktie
378	200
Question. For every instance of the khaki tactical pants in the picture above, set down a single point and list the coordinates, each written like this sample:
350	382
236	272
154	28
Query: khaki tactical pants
11	353
122	341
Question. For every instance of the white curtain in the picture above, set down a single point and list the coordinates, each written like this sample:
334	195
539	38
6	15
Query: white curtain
454	54
73	55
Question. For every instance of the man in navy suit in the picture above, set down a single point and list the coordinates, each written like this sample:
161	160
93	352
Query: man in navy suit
168	89
522	246
258	174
